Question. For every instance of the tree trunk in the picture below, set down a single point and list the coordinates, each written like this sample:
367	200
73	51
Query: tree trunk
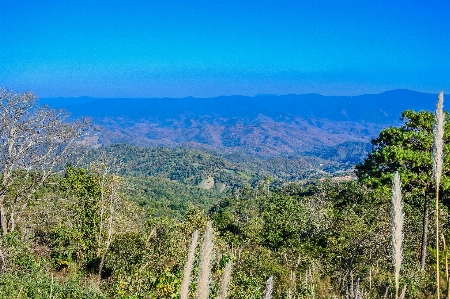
13	222
425	221
3	220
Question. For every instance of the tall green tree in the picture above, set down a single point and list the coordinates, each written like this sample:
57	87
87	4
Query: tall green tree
408	150
84	191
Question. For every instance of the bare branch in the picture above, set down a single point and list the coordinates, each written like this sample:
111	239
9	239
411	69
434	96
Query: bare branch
34	140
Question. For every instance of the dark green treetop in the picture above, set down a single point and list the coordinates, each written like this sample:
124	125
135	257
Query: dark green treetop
407	149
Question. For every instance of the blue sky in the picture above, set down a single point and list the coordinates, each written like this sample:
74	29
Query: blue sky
209	47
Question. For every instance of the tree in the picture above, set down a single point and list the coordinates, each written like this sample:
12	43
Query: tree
77	239
110	186
34	140
408	149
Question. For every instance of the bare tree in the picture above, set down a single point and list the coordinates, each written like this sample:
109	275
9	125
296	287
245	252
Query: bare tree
34	140
110	186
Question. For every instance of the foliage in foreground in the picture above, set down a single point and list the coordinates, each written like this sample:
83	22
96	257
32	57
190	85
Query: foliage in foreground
316	240
79	236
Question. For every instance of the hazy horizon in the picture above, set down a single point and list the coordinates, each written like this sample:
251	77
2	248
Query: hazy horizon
233	95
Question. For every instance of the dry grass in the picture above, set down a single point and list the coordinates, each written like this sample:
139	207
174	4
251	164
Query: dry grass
438	157
269	287
205	264
188	267
397	227
226	277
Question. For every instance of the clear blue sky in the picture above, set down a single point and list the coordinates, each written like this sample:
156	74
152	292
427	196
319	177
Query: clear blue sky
209	47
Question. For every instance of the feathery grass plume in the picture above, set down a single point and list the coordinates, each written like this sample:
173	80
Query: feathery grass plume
226	277
397	227
402	295
269	287
438	157
438	130
184	291
204	270
358	293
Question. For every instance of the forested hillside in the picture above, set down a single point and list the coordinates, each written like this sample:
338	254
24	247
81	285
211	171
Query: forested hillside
192	167
123	221
175	178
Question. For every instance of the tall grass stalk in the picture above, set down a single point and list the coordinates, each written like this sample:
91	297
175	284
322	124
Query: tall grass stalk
184	292
269	287
226	277
51	289
438	157
204	270
397	227
447	281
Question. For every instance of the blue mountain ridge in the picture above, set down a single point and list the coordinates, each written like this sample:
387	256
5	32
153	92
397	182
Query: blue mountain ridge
383	108
266	125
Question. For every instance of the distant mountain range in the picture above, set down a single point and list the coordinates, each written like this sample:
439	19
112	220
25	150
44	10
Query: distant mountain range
266	125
